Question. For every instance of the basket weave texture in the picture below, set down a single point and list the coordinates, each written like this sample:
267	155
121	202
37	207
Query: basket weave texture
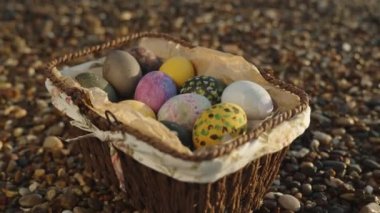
151	191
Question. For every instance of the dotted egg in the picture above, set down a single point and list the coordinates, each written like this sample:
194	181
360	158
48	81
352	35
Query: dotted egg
219	124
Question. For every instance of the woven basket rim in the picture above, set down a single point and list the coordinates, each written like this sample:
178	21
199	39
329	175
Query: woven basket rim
81	99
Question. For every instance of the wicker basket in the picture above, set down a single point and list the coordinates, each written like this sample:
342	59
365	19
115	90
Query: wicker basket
151	191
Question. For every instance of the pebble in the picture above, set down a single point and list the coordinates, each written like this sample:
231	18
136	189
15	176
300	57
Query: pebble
370	208
50	194
23	191
371	164
307	188
338	166
308	168
33	186
53	143
322	137
343	121
289	202
273	195
30	200
39	173
81	210
68	200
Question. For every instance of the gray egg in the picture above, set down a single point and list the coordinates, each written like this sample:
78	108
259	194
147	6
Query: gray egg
89	79
146	58
123	72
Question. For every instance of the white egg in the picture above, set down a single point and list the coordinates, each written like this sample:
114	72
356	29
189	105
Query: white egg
253	98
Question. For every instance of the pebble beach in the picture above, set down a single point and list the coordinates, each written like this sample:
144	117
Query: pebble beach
330	49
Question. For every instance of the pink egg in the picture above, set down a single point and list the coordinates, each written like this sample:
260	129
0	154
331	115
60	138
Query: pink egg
184	109
154	89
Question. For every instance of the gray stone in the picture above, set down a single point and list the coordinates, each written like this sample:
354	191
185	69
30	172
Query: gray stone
289	202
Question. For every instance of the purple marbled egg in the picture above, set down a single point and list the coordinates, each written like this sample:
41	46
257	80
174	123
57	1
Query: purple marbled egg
154	89
184	109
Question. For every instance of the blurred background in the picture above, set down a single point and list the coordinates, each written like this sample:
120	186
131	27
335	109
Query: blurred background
331	49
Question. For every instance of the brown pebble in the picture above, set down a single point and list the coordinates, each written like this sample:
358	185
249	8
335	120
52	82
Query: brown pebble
30	200
53	143
370	208
343	121
50	194
67	200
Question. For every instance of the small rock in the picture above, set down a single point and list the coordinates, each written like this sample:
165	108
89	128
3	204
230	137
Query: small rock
370	208
53	143
345	121
273	195
23	191
307	188
289	202
33	186
339	167
308	168
67	211
271	204
41	208
50	194
322	137
348	196
319	188
334	182
39	173
371	164
56	129
68	200
369	189
81	210
299	154
30	200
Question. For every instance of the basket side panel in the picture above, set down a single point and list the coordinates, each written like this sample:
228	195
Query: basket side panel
238	192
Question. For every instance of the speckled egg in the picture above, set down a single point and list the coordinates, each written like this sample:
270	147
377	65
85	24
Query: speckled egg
89	79
122	71
219	124
147	59
253	98
154	89
179	69
183	134
207	86
139	107
184	109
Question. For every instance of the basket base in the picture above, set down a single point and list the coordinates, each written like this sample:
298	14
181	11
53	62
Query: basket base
151	191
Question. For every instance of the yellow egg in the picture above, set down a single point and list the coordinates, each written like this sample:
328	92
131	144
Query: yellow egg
219	124
179	69
139	107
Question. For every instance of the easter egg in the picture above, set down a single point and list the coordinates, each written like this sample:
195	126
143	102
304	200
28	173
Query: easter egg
122	71
179	69
253	98
207	86
183	109
139	107
147	59
219	124
154	89
89	79
183	134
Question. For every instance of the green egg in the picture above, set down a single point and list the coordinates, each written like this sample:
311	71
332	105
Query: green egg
88	80
207	86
